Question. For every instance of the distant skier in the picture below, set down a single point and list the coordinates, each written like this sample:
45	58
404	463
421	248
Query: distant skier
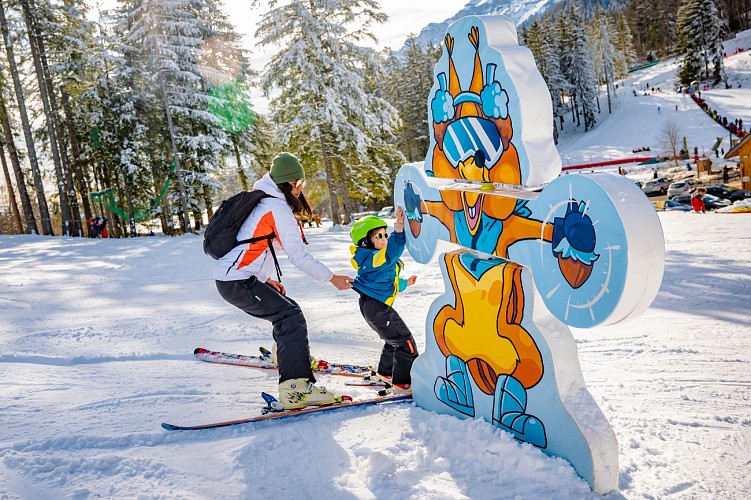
376	258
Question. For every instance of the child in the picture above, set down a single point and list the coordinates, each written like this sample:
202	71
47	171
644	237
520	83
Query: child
697	200
376	258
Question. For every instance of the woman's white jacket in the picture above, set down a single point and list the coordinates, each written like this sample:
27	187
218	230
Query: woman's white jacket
271	215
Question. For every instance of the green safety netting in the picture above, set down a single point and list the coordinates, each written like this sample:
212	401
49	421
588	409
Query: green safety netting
107	198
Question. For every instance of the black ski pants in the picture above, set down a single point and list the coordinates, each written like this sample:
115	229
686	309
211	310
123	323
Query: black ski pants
290	330
399	350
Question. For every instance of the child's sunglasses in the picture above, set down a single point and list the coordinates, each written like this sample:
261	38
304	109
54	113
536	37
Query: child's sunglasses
381	236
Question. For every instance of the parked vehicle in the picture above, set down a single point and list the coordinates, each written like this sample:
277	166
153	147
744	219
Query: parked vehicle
360	215
682	186
670	205
656	186
710	202
386	212
726	192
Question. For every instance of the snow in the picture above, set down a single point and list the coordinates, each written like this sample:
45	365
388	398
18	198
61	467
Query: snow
96	341
636	121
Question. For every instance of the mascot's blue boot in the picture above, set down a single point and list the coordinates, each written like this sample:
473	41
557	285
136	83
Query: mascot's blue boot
509	412
454	389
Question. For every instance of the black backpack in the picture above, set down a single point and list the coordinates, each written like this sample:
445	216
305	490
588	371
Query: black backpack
220	235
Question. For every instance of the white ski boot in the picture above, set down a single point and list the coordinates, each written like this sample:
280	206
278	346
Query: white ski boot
299	392
396	390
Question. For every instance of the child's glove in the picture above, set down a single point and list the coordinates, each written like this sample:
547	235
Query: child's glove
399	227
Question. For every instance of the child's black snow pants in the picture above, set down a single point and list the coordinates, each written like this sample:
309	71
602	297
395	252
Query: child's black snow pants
399	350
290	330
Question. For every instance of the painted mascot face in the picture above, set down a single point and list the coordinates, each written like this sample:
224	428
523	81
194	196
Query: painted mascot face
472	131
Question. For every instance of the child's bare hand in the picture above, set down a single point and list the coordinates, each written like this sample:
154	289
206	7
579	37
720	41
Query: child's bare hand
411	280
399	224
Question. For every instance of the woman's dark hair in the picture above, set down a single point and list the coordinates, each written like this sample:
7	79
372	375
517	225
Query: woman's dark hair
299	205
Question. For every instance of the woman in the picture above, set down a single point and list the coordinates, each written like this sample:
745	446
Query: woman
244	278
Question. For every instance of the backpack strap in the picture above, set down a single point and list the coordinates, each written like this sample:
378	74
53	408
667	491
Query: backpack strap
268	237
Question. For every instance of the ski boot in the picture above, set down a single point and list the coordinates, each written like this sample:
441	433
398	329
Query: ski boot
300	392
396	390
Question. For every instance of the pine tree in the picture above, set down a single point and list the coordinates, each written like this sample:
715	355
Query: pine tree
540	40
26	124
327	111
579	67
71	51
176	52
409	82
654	26
700	41
624	43
70	218
603	52
10	146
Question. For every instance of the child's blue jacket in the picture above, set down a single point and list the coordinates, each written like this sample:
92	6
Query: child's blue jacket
378	270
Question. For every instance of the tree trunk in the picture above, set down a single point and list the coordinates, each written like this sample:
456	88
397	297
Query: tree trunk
176	157
129	200
78	170
208	200
333	198
75	209
240	171
31	149
17	224
343	179
607	86
62	189
23	193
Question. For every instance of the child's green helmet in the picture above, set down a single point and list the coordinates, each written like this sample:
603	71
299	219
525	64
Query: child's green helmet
363	226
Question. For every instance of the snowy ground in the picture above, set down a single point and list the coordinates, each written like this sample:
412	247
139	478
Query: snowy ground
96	339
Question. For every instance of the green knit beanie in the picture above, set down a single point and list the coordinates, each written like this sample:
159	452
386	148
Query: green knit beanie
286	167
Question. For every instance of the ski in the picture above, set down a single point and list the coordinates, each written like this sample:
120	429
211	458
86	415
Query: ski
264	362
366	383
272	413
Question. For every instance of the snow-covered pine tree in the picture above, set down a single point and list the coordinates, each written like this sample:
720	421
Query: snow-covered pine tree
126	139
584	82
409	83
581	73
700	32
603	52
33	16
186	47
326	109
69	51
539	39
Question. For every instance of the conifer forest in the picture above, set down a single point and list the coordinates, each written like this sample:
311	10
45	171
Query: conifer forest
142	113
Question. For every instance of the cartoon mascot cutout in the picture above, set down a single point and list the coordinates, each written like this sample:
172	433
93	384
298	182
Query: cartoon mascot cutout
526	262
